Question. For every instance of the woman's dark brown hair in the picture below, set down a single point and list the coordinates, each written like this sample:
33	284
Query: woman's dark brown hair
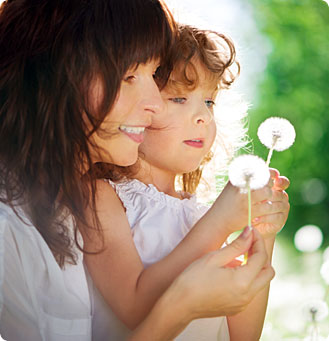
50	52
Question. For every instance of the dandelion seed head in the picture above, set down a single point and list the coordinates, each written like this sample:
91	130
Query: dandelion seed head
277	132
249	170
315	310
324	271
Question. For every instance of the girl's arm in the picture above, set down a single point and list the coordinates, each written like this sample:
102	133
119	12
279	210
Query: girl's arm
118	272
248	324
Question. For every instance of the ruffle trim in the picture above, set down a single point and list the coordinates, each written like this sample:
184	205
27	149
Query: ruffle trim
127	191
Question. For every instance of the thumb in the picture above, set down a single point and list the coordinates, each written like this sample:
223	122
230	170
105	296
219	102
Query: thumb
236	248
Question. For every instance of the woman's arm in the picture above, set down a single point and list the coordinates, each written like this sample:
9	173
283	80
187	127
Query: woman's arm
208	288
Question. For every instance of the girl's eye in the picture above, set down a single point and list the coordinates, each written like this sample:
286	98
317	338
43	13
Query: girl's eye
209	103
178	100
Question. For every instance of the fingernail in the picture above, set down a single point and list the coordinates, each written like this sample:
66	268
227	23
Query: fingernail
255	220
246	232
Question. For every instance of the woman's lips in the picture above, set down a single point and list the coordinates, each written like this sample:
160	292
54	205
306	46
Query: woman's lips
196	143
134	133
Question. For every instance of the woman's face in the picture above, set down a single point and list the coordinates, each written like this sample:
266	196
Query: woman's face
122	131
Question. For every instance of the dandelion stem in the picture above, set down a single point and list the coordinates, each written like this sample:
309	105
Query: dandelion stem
269	156
245	258
249	206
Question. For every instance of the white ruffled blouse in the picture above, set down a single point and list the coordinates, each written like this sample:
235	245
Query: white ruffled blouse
38	299
158	223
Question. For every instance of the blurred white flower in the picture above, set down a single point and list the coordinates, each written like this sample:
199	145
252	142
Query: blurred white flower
277	133
248	171
315	310
326	254
308	238
324	271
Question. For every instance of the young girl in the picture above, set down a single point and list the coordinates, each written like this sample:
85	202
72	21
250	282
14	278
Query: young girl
67	102
159	217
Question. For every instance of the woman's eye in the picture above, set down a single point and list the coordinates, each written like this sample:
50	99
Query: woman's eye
179	100
156	73
129	78
209	103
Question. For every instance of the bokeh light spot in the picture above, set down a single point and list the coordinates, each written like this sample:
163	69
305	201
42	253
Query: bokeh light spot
308	238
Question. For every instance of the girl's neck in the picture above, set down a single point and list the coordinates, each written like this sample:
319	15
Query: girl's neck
162	179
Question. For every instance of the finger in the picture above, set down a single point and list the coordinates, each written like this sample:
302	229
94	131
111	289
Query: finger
233	264
274	223
262	280
281	183
261	194
274	173
257	259
270	207
238	247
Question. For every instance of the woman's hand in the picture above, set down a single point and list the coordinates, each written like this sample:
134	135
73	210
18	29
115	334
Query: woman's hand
210	287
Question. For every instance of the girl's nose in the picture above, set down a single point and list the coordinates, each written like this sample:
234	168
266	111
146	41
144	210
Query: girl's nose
203	116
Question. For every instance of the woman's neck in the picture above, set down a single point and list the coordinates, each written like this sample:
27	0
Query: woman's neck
162	179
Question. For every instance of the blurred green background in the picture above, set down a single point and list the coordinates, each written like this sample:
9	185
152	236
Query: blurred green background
295	85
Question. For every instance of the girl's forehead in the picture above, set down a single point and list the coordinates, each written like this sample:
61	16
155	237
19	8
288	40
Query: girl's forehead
195	74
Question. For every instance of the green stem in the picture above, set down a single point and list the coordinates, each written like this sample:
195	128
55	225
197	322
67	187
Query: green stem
245	258
249	206
269	156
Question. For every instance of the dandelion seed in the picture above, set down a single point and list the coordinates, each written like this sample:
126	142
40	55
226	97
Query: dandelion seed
315	310
276	133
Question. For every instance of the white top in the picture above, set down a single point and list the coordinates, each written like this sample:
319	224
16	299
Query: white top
39	300
158	223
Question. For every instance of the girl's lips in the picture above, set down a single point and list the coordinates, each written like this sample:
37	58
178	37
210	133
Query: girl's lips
197	143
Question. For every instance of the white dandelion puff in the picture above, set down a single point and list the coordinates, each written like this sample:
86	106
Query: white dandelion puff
324	271
248	171
276	133
315	310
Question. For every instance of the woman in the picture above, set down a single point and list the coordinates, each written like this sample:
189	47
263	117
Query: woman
68	101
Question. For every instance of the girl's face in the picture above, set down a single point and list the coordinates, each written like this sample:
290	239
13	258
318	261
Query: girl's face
184	132
122	131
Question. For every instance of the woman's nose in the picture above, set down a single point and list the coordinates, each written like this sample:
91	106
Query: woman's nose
153	101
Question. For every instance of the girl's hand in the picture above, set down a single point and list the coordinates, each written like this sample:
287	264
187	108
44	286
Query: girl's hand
270	223
269	209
